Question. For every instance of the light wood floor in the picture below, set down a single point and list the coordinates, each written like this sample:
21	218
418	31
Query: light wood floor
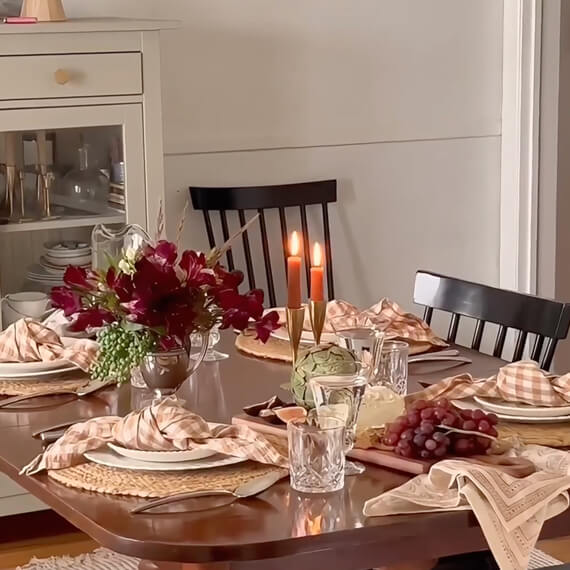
45	534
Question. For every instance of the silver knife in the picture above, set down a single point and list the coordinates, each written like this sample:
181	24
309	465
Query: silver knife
249	489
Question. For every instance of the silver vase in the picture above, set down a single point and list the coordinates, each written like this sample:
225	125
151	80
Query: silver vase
165	372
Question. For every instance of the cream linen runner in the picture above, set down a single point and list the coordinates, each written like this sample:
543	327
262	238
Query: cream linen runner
511	511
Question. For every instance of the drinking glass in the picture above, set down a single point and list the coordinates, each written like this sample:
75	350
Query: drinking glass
362	338
339	397
212	355
316	454
393	366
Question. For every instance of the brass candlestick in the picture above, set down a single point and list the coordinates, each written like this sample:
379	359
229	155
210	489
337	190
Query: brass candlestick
295	319
317	314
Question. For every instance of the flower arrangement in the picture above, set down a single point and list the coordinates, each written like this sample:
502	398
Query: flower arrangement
153	299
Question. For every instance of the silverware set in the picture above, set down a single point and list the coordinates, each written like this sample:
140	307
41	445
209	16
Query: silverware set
451	355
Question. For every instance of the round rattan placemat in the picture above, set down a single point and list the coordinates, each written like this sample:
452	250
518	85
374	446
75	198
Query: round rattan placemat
552	435
273	349
150	484
16	387
277	349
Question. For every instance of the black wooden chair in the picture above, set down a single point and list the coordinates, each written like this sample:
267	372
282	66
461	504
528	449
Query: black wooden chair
260	199
548	320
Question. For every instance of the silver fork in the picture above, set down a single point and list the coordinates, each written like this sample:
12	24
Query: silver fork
80	393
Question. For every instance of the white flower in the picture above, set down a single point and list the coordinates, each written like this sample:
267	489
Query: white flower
126	267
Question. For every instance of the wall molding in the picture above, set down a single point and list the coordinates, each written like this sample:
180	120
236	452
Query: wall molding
522	25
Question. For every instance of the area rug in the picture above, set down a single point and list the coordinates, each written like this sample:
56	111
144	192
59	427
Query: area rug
103	559
100	559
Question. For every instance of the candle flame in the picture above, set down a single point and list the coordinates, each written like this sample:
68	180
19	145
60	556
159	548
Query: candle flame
294	244
317	255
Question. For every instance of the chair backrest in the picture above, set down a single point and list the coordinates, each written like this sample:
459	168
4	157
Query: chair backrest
547	319
261	198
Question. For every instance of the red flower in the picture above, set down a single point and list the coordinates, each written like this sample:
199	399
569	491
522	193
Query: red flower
120	283
165	253
196	273
265	325
79	278
91	318
66	299
228	279
239	309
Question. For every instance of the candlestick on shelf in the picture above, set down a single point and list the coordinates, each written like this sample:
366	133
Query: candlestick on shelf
294	272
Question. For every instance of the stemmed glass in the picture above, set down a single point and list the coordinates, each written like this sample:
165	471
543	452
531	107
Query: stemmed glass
340	396
362	338
212	355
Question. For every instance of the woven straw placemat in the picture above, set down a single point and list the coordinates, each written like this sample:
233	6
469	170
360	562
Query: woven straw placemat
19	387
273	349
277	349
150	484
552	435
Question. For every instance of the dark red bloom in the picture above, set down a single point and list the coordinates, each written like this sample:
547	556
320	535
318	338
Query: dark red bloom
194	266
228	279
66	299
165	253
265	325
91	318
239	309
120	283
79	278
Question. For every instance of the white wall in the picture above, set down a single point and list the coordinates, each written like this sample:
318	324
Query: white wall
397	99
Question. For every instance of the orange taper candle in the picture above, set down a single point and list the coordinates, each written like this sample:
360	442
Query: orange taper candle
294	272
317	274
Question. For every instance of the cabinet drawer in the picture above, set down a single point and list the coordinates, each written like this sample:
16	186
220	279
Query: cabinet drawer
70	75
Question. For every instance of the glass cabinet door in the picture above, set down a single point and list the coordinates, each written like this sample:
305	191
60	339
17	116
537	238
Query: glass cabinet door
64	170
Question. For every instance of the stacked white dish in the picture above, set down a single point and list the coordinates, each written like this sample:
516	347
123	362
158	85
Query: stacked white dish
516	412
57	256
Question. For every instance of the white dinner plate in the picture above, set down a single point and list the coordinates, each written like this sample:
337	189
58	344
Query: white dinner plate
162	456
469	404
515	409
109	458
24	369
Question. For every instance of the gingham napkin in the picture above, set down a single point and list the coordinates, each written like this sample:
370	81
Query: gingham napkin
521	381
29	341
511	511
165	426
386	315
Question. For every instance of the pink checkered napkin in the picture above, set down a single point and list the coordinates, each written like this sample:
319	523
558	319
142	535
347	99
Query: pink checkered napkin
166	426
386	315
29	341
520	381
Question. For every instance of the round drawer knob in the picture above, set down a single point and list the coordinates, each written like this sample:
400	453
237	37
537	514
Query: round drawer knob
61	76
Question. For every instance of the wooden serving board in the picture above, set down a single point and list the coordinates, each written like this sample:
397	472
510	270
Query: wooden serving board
376	456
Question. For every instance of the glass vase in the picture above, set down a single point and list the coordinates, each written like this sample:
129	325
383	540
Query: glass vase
111	242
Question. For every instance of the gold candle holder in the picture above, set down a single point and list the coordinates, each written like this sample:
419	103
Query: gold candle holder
317	314
295	319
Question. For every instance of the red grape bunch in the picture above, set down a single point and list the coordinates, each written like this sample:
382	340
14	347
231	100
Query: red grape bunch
434	429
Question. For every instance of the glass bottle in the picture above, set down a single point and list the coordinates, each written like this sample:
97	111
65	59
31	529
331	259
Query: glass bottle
86	184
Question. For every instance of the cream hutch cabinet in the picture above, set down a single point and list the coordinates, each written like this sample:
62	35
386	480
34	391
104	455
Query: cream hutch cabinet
90	84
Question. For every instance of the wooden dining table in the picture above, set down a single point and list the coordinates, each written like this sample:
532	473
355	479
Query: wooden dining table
278	529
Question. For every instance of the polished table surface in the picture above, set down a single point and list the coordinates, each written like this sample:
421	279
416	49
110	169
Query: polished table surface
271	531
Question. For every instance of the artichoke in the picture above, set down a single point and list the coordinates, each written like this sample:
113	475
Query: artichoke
322	360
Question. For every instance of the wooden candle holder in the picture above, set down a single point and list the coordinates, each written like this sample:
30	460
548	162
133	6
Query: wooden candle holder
44	10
